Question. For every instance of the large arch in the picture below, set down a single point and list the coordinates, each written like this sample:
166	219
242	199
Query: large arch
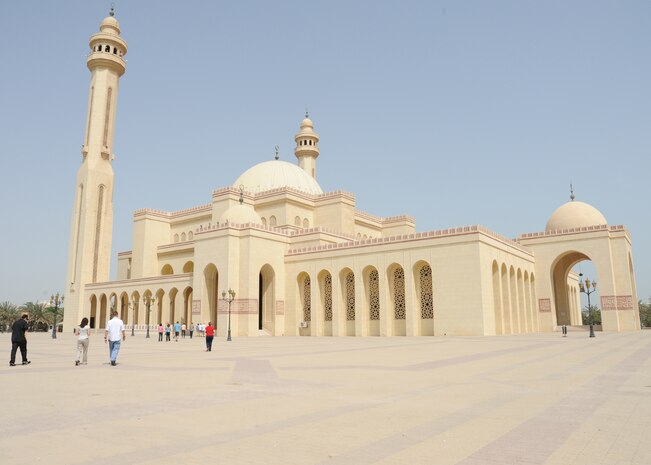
561	294
497	299
506	300
93	311
160	296
211	293
325	300
371	304
267	299
135	308
172	314
103	304
187	306
124	307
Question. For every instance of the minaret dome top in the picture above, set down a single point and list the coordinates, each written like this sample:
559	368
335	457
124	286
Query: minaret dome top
110	25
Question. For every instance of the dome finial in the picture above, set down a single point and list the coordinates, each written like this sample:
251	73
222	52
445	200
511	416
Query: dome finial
277	156
572	197
241	194
307	114
112	10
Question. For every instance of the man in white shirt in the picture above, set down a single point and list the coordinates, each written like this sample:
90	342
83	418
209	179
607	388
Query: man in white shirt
112	336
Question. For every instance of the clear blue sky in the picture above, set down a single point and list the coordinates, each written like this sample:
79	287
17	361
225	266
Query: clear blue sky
454	112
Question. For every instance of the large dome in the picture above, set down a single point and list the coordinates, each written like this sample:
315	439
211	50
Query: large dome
575	215
276	173
240	214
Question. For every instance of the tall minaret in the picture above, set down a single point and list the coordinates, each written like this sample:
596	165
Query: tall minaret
307	149
92	214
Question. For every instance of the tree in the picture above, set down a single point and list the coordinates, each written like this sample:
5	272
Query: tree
596	315
39	318
645	313
8	314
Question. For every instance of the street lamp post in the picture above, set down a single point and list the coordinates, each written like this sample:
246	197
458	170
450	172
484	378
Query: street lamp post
586	290
57	301
148	300
229	299
132	305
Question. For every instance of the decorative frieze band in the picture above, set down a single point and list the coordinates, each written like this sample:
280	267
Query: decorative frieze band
616	302
544	305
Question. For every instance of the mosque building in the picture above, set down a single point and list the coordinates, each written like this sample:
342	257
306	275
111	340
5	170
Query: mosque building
306	262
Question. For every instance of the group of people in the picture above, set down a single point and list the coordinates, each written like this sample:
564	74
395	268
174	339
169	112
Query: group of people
180	329
113	336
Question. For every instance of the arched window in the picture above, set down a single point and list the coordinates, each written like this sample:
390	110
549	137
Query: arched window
190	235
374	295
297	221
350	296
399	293
107	48
306	223
183	237
426	300
264	222
176	238
307	299
167	269
115	51
272	221
327	288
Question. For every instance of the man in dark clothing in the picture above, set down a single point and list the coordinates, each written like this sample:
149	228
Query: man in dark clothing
18	339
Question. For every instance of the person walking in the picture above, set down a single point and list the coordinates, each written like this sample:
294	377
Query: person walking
168	331
19	340
210	334
112	336
83	333
177	329
191	329
161	330
183	328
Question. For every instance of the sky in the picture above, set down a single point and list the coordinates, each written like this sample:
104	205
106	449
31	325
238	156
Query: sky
454	112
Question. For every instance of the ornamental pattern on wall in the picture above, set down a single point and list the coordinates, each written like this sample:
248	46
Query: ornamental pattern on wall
350	296
374	295
327	284
399	293
307	298
426	300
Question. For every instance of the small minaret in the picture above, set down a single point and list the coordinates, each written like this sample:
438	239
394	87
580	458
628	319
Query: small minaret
307	146
92	215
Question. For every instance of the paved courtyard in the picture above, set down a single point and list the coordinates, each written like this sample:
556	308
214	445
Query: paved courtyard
531	399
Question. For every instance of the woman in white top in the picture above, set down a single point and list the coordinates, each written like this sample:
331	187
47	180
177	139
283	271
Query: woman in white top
83	333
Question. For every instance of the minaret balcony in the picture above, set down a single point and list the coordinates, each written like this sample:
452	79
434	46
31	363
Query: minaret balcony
107	60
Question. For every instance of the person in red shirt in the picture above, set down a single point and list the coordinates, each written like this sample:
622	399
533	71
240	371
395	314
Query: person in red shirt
210	334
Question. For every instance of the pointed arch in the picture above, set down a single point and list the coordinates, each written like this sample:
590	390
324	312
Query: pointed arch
325	300
347	286
173	305
166	270
422	272
371	280
305	295
211	293
397	310
267	298
188	267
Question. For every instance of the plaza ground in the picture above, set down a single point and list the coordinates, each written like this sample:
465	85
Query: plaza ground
528	399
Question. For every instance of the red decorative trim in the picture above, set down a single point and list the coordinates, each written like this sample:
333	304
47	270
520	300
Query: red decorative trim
544	305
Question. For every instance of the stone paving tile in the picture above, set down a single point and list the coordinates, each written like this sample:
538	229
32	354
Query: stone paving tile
530	399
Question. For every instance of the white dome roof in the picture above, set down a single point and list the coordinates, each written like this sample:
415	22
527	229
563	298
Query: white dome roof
240	214
575	215
277	173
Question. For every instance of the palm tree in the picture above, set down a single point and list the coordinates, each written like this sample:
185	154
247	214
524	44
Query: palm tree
39	317
8	314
